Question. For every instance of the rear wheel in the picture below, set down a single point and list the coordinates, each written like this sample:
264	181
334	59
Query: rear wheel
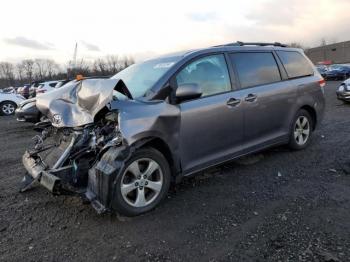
7	108
143	183
301	130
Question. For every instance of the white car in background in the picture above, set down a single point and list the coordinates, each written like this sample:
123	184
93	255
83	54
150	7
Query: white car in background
9	102
46	87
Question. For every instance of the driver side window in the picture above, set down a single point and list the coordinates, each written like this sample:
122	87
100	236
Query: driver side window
210	73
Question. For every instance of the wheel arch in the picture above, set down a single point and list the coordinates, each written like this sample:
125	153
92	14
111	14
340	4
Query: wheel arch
312	113
163	147
4	101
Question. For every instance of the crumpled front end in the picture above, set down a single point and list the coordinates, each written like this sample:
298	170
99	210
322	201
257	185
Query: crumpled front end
62	157
90	137
78	103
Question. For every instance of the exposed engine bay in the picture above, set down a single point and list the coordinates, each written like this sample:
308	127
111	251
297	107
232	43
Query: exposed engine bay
68	146
94	126
71	152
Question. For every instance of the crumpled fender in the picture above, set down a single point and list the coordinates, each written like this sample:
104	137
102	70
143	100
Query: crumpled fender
146	120
138	120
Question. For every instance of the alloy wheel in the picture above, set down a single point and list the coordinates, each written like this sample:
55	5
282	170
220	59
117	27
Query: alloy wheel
141	182
8	108
301	130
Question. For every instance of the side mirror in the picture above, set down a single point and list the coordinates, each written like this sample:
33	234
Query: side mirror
188	91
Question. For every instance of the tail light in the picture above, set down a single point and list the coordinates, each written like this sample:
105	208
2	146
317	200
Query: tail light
322	82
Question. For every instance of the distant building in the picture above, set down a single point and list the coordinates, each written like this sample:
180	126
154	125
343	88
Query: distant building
338	53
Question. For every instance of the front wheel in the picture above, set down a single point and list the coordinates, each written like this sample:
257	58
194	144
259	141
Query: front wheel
143	183
7	108
301	130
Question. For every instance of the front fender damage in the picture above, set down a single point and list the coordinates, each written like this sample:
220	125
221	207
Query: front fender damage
85	153
102	177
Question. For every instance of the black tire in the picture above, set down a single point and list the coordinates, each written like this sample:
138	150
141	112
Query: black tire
293	140
7	103
119	203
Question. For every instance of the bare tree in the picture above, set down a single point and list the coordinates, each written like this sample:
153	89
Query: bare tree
28	68
127	61
81	67
20	72
100	67
113	64
52	68
7	72
40	69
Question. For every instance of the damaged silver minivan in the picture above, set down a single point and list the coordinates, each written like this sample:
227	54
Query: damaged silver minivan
120	142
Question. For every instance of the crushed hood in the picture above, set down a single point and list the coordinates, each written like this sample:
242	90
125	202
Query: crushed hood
77	104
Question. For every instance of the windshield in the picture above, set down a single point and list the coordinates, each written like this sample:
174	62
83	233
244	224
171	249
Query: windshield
140	77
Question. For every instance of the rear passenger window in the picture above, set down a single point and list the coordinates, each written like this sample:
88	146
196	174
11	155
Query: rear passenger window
295	64
52	84
255	68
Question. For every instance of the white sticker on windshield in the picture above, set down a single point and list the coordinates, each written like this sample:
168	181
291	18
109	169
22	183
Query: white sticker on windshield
164	65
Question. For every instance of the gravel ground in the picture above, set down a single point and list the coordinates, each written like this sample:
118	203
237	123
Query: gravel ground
277	205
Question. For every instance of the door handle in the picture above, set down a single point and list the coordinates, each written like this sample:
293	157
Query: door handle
251	98
233	102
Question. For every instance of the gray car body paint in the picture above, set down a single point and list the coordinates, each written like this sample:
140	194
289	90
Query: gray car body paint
76	105
147	117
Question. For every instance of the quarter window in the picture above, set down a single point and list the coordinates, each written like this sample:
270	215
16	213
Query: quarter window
295	64
255	68
210	73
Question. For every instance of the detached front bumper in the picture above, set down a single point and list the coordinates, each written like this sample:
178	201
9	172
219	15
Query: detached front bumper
52	179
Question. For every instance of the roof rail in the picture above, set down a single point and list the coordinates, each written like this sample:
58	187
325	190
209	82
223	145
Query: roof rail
239	43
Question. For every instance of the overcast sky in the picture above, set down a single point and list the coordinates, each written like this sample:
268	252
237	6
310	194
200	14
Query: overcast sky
49	29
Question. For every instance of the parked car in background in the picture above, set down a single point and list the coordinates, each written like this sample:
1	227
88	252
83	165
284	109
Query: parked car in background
343	92
322	69
9	102
121	141
62	83
50	86
45	87
33	87
24	91
27	110
337	72
8	90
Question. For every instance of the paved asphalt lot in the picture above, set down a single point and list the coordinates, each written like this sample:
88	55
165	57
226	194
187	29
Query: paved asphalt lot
287	206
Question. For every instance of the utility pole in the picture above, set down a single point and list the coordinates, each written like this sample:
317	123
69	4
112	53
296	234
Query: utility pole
74	61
